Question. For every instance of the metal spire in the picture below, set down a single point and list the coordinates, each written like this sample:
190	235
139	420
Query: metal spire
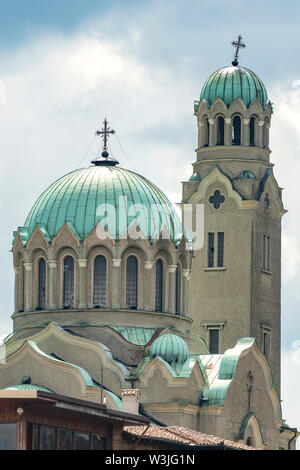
238	45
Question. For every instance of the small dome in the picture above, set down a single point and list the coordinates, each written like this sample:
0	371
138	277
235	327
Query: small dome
230	83
246	174
171	348
76	197
27	385
195	177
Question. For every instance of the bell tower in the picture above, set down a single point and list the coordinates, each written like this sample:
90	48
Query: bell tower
236	275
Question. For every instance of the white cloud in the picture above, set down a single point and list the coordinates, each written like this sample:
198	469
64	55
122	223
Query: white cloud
285	145
290	379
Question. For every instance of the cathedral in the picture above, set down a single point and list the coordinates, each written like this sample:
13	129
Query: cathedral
120	303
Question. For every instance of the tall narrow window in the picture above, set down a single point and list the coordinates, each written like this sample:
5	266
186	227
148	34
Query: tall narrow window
220	249
100	281
159	286
266	253
131	282
266	342
206	133
178	290
220	136
211	249
252	131
236	130
68	297
214	341
42	285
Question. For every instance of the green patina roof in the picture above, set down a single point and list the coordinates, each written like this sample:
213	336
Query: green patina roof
135	335
195	177
171	348
230	83
28	387
246	174
75	197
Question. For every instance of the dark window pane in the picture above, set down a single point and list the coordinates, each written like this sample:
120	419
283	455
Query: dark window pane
99	443
178	289
35	443
81	441
159	286
236	131
8	436
220	137
220	249
131	282
266	345
42	284
214	341
47	438
252	131
68	282
100	281
64	440
211	250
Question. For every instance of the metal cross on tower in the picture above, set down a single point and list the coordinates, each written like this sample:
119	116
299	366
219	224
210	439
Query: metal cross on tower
105	132
238	44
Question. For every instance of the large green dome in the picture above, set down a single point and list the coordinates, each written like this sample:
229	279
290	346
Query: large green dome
230	83
75	198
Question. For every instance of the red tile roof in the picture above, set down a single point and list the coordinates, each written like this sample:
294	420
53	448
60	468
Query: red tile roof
182	435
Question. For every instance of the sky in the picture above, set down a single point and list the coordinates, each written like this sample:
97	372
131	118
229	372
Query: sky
66	64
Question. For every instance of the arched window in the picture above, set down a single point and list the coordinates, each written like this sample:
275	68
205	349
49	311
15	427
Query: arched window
178	290
249	441
42	284
99	298
68	297
131	282
236	131
159	286
206	133
252	131
220	131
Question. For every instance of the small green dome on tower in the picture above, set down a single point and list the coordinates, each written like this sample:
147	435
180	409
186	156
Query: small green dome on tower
195	177
230	83
171	348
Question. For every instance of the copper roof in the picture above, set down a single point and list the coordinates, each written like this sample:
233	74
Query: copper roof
182	435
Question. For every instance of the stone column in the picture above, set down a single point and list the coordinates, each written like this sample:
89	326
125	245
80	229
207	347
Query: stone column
116	288
27	287
266	136
212	140
148	286
227	132
260	133
200	134
52	284
172	287
82	264
246	137
17	289
185	293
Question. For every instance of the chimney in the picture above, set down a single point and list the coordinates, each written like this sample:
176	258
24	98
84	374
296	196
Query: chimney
131	400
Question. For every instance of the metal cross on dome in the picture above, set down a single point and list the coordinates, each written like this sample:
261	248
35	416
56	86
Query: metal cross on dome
105	132
238	44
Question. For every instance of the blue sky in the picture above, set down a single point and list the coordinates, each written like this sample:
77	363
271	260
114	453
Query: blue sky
68	63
